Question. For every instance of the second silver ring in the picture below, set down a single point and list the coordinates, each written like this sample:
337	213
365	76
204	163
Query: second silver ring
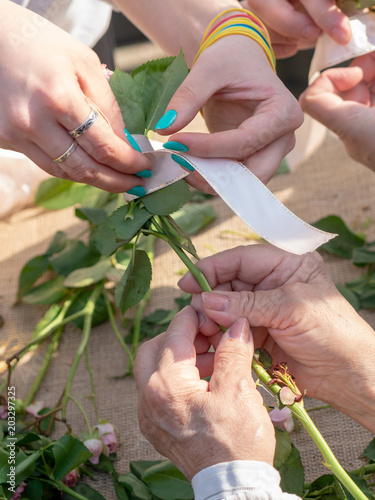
81	129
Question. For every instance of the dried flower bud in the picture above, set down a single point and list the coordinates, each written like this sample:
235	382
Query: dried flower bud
108	436
96	447
71	478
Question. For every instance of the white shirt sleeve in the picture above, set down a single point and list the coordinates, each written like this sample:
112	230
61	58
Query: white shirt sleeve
239	480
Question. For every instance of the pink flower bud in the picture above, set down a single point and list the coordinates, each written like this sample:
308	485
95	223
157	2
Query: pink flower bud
96	447
35	408
71	478
19	490
108	436
283	419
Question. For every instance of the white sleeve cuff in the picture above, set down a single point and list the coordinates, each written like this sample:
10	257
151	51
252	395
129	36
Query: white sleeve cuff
240	479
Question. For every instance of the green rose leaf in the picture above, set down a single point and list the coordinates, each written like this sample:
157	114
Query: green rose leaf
148	77
362	256
135	282
93	215
283	447
25	465
33	490
192	218
167	482
69	452
31	271
127	227
138	467
292	473
55	194
100	313
47	293
57	244
171	79
105	239
74	256
88	275
167	200
86	491
130	100
346	241
136	487
369	451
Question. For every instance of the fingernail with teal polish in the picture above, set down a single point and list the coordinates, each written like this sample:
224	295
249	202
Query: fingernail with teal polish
166	120
145	174
137	191
132	141
175	146
182	162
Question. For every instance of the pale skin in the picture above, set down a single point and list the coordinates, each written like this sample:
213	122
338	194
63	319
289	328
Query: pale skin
195	423
298	316
343	100
252	114
296	24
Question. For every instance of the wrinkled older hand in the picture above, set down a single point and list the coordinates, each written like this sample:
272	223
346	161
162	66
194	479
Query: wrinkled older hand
250	113
296	24
44	75
197	423
298	316
343	99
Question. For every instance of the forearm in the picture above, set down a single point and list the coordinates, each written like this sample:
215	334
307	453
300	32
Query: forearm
174	25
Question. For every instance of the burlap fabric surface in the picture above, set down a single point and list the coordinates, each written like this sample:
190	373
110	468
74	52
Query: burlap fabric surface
327	183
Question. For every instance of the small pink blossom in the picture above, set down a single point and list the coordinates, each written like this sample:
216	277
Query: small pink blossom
19	490
283	419
3	412
97	447
71	478
108	436
35	408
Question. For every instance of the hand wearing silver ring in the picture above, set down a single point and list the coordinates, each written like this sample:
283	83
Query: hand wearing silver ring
67	153
81	129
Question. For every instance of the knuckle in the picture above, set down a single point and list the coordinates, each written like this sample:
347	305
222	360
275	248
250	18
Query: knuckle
186	93
85	175
104	153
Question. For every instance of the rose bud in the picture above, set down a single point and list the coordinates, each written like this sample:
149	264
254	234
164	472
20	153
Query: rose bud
71	478
96	447
19	490
108	436
35	408
283	419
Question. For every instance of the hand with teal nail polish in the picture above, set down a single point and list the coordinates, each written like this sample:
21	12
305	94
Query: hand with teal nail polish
137	191
166	120
176	146
182	162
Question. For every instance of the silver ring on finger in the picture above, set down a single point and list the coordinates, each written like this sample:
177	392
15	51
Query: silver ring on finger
81	129
67	153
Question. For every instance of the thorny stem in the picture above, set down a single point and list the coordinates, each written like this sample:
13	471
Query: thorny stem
330	460
92	385
87	311
43	369
115	328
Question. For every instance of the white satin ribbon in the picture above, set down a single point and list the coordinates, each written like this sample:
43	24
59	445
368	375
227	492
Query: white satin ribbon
242	191
328	53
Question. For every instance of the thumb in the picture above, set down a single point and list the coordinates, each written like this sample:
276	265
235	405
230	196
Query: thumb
189	98
232	365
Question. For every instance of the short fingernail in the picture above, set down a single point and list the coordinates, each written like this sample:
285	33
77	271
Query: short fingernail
145	174
166	120
311	31
137	191
215	301
339	34
181	161
240	330
175	146
132	141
